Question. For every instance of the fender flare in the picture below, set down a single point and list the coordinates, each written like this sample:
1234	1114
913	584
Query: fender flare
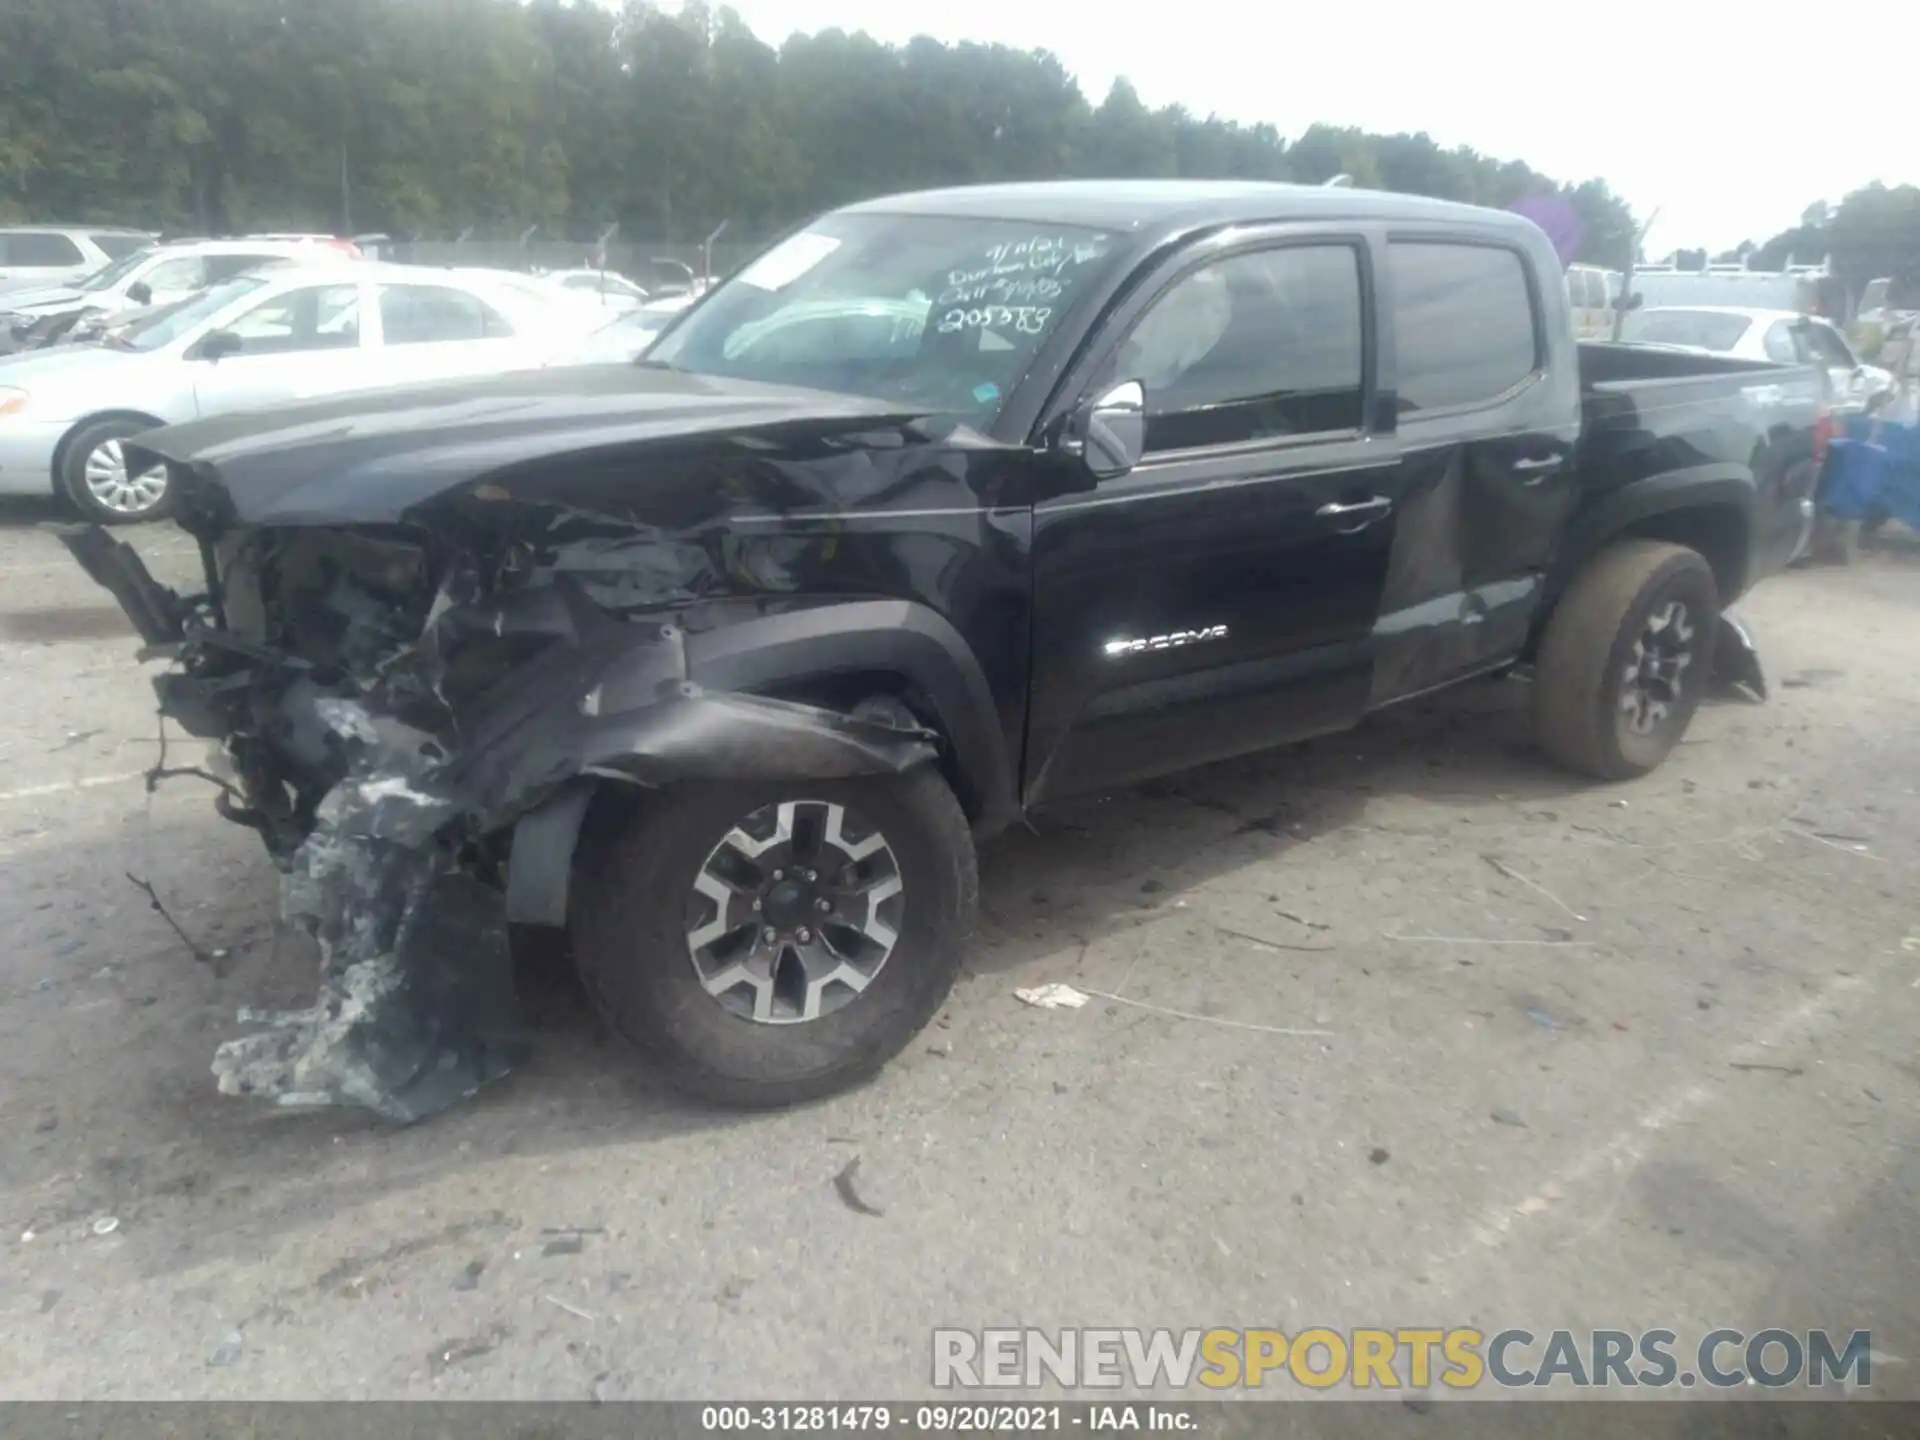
898	636
766	653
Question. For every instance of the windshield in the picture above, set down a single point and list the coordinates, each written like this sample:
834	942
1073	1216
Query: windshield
111	275
156	330
1701	329
936	311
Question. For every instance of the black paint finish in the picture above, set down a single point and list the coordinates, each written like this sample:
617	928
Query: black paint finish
811	544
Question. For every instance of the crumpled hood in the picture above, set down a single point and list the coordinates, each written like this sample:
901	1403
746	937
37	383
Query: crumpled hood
370	458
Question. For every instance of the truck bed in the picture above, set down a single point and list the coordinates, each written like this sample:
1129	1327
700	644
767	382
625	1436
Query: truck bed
1650	412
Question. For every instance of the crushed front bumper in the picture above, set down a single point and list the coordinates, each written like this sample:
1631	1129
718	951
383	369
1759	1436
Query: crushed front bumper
405	811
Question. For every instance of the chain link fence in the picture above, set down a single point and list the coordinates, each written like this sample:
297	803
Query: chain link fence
652	267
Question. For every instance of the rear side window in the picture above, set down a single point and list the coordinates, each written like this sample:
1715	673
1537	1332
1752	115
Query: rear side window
428	314
1254	347
1463	315
114	245
37	250
1828	348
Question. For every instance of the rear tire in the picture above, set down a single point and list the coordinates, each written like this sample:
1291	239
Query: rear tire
1626	659
93	475
646	941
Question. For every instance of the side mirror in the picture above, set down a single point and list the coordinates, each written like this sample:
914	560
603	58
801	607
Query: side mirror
140	293
217	345
1109	434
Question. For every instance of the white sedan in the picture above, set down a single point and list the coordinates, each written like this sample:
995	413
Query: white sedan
254	341
1783	335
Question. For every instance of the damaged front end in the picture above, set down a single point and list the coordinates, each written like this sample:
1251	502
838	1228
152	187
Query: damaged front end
402	711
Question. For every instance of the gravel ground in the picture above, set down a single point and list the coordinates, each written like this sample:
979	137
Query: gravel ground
1629	1057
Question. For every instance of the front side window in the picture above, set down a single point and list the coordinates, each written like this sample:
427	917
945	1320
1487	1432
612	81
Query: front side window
162	326
1463	318
40	251
941	313
1254	347
435	314
318	317
188	272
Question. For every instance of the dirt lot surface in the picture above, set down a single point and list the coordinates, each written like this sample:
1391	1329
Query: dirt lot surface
1504	1050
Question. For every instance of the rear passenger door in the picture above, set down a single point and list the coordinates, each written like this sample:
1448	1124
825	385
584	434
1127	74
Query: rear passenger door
1218	598
439	332
1487	427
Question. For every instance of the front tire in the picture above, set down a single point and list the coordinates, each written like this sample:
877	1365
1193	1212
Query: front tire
1626	659
767	944
93	474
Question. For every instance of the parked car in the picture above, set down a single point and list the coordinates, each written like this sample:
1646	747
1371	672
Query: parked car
259	338
585	311
154	275
606	286
1799	288
54	254
1782	335
727	659
1593	294
349	249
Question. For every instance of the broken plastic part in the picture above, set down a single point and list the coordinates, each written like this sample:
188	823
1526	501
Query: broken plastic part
385	731
1736	660
416	1007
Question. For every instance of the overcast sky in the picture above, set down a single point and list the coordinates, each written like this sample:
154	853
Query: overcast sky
1730	118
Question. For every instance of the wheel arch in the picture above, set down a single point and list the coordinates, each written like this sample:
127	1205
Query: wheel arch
839	654
64	446
1707	508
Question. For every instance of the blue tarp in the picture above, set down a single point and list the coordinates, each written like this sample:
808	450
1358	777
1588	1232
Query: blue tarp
1873	470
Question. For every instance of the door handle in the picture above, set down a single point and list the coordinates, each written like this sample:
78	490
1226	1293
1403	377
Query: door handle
1358	507
1538	469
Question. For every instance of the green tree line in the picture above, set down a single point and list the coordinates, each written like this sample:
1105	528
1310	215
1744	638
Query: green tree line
1872	233
429	117
426	117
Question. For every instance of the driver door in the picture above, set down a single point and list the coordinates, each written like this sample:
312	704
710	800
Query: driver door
1220	597
300	343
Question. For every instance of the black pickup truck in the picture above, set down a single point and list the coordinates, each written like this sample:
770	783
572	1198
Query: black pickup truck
947	506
